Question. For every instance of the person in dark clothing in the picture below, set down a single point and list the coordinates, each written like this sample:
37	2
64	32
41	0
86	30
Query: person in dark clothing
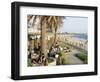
52	53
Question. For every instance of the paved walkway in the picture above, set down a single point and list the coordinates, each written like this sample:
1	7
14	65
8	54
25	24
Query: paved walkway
73	59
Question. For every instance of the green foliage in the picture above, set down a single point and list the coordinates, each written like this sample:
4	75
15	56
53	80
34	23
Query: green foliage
50	60
62	58
83	57
29	62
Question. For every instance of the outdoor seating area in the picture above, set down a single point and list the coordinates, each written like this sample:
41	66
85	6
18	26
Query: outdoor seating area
52	53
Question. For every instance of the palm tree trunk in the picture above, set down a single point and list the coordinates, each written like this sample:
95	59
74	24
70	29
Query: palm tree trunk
43	43
55	36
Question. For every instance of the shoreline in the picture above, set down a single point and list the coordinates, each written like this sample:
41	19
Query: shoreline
82	44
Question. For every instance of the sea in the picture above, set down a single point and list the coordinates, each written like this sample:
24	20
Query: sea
82	37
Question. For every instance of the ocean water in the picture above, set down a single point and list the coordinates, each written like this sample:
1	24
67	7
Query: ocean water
81	36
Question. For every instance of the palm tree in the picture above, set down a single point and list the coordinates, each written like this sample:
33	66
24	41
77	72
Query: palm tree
52	22
43	25
55	22
29	17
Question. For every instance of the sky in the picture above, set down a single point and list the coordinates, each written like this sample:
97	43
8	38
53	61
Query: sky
75	25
